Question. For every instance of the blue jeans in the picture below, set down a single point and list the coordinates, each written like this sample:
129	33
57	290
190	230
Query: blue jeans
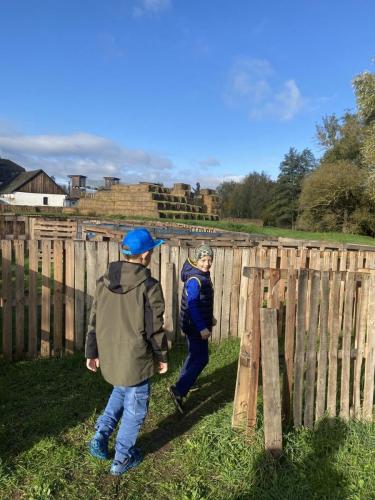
130	404
196	360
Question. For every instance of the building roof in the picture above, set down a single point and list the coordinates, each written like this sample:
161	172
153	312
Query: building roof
19	181
11	165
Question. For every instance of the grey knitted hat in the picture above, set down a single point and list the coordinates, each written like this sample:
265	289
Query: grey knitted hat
203	251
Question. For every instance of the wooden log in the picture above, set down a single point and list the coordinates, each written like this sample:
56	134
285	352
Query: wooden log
271	382
33	274
346	346
69	296
360	345
299	358
290	323
235	291
323	346
19	249
45	340
7	298
226	298
334	331
58	273
368	392
311	349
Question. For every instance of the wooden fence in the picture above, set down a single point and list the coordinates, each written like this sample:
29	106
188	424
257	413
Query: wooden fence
321	325
47	287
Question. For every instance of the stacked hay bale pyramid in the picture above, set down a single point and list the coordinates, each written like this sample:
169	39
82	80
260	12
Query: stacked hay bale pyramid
153	200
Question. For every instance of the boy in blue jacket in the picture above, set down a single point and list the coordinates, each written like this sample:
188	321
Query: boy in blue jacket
196	320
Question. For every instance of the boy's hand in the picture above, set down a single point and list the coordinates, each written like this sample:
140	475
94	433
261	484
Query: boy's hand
205	334
163	367
92	364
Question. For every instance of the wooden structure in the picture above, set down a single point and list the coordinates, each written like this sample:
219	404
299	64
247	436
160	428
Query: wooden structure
150	200
322	324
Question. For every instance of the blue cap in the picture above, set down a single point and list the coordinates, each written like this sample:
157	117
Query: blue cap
138	241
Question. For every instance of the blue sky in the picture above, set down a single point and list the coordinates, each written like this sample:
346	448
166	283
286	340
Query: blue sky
174	90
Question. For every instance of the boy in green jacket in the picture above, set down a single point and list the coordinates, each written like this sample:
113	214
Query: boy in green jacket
126	339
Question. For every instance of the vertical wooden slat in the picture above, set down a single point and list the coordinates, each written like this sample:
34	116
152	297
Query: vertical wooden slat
79	292
45	340
19	249
361	333
218	292
7	296
174	255
164	259
113	251
155	263
254	346
368	392
183	255
299	358
90	276
290	322
227	285
33	273
346	346
334	330
311	349
271	382
58	271
235	291
323	346
102	258
168	291
243	293
69	296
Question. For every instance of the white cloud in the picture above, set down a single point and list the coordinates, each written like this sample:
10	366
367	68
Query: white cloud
85	154
255	87
209	162
150	7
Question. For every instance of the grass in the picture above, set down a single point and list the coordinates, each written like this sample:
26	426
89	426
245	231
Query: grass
49	408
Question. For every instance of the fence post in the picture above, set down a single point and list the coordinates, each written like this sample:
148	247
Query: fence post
271	382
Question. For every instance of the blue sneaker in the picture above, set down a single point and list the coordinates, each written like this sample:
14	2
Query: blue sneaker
118	468
98	447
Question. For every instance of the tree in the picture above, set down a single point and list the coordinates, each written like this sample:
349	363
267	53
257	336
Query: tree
293	169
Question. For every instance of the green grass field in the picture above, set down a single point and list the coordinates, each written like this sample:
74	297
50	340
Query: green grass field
48	409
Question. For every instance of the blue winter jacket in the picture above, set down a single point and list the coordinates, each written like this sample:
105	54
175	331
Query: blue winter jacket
197	300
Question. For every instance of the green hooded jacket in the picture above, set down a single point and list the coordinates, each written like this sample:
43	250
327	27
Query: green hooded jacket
125	330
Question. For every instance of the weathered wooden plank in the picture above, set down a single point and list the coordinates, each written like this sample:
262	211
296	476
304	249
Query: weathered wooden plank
69	296
58	273
243	293
227	286
113	251
271	382
360	346
311	349
174	256
290	322
90	275
33	274
45	340
253	326
19	250
299	358
168	290
183	255
102	258
79	293
155	263
368	392
7	297
235	291
218	295
346	346
323	346
334	330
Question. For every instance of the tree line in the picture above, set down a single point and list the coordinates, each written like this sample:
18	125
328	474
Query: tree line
334	193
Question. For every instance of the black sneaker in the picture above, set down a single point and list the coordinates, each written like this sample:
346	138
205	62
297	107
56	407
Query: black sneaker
176	398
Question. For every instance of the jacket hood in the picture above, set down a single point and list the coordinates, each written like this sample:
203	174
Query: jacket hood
190	269
121	276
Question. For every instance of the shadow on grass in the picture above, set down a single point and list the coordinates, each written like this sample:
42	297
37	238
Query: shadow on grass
43	398
305	473
215	390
